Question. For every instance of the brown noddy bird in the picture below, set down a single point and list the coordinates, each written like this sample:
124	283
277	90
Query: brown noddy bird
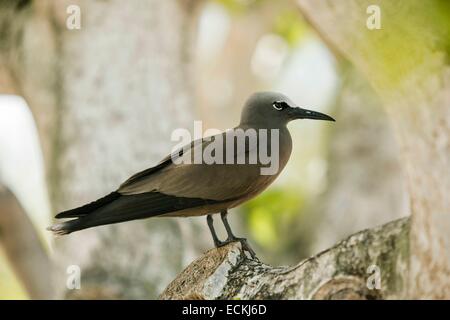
173	189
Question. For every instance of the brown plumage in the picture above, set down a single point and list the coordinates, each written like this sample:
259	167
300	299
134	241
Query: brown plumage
190	189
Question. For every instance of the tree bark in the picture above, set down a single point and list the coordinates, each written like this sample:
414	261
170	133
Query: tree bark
346	271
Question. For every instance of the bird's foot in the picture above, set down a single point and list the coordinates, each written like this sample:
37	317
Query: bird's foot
244	244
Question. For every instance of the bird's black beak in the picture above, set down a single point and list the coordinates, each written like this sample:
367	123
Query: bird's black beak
299	113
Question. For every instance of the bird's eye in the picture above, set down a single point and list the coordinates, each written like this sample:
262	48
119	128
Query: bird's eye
280	105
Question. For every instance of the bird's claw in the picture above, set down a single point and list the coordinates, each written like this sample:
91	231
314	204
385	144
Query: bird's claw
244	244
246	247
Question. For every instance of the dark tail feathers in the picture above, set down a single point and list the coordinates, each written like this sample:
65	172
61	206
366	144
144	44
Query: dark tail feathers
88	208
115	208
63	228
74	225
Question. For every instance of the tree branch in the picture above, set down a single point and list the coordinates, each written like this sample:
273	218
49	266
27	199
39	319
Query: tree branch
23	247
337	273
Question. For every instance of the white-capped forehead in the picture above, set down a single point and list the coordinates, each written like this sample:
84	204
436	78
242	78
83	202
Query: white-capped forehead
268	97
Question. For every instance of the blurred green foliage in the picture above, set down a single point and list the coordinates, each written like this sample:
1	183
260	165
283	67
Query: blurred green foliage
289	25
414	38
239	6
270	214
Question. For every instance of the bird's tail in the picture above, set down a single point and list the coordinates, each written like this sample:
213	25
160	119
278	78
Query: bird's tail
66	227
116	208
90	207
80	212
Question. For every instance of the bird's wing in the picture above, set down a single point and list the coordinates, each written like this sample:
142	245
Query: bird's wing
214	182
142	175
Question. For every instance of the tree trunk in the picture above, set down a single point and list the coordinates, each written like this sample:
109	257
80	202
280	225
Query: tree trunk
23	247
99	94
406	61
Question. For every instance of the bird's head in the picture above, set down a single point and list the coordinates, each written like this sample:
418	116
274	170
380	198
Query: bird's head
272	109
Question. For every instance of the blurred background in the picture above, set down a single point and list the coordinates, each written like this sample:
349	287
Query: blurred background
86	107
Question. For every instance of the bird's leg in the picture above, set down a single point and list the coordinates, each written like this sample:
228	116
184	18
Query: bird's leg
232	237
223	216
216	240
